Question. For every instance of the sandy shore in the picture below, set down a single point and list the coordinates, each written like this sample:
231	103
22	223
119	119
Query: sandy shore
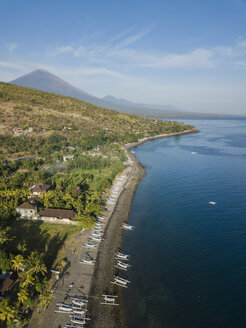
104	316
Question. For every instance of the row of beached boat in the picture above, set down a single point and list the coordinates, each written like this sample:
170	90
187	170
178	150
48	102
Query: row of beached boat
121	258
115	190
78	308
121	264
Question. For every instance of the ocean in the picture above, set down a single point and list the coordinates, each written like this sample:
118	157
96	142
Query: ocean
188	256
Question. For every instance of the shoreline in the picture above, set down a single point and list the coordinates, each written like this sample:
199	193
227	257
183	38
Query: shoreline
93	281
112	316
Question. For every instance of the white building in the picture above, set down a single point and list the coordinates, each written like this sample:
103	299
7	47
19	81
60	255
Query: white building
27	210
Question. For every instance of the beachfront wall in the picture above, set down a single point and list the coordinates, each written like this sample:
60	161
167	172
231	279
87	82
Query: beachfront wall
57	220
49	220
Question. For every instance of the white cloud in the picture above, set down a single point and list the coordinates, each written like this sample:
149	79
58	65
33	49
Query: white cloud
240	64
120	67
242	43
134	38
84	71
198	58
5	64
119	36
80	51
11	46
121	53
63	49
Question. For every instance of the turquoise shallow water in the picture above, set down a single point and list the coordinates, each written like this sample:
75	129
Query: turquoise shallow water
189	257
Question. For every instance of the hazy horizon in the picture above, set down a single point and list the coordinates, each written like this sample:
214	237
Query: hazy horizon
191	55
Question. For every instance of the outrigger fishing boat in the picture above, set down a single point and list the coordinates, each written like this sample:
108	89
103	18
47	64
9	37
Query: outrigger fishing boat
122	265
100	217
79	302
96	229
79	320
97	238
127	226
81	311
120	281
70	309
87	261
109	299
122	256
64	308
96	234
90	244
71	325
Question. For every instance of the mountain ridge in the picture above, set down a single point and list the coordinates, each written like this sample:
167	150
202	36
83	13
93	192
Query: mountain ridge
130	103
45	81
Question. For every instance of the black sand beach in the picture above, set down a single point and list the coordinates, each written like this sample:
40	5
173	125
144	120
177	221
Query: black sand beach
104	316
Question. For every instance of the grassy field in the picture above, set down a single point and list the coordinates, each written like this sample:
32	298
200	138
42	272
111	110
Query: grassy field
44	238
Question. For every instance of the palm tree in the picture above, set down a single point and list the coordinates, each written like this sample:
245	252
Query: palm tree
22	295
29	280
18	263
36	264
7	311
22	247
45	300
4	236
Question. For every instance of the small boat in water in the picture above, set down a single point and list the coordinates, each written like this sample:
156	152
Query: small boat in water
212	203
127	226
122	265
120	281
122	256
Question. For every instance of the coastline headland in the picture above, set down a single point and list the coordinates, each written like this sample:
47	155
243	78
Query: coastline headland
105	316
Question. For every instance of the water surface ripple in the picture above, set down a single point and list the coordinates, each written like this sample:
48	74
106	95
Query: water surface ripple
189	257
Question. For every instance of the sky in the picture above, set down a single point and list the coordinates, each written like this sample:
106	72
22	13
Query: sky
186	53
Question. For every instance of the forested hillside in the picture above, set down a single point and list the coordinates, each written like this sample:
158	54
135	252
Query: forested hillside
76	149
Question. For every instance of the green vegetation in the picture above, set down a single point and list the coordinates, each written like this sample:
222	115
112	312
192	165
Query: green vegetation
74	147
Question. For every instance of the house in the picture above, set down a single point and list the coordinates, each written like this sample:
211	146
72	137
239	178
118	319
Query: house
27	210
56	213
68	157
7	283
39	188
76	189
33	198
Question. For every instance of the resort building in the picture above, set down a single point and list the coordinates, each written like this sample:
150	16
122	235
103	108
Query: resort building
68	157
39	188
27	210
56	214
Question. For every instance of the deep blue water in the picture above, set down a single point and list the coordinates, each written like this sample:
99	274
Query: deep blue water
189	257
